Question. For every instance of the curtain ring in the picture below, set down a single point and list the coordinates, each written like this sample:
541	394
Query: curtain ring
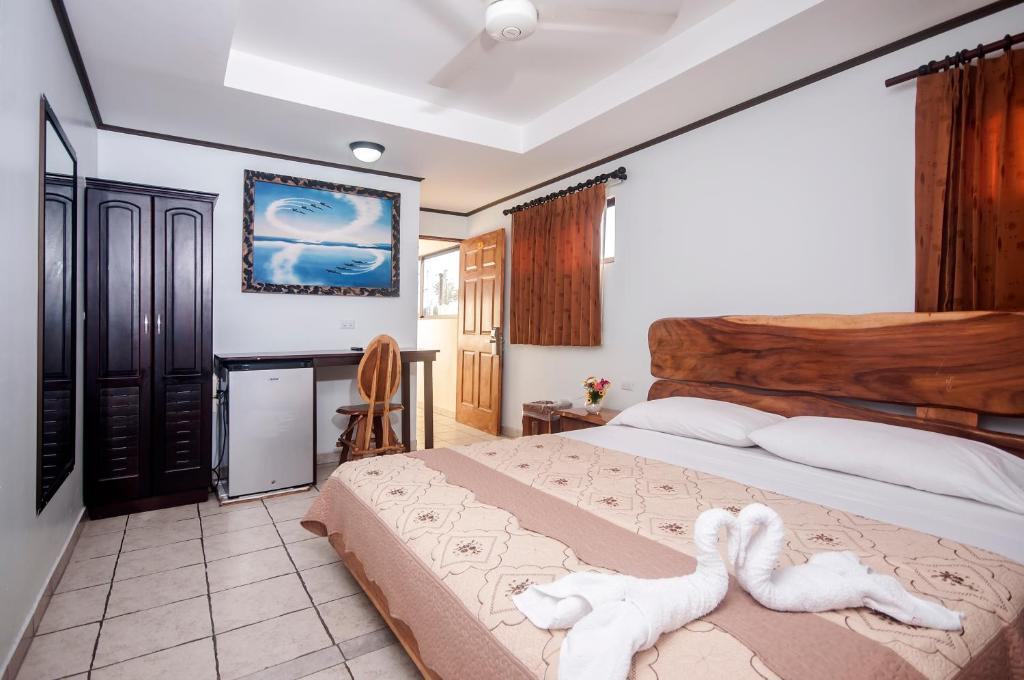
1008	39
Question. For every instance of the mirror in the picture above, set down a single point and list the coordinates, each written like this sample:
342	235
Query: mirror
58	202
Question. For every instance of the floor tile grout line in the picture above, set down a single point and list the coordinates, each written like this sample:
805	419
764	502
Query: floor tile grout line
315	651
247	552
209	598
163	545
259	580
142	656
323	623
156	606
161	571
106	603
270	618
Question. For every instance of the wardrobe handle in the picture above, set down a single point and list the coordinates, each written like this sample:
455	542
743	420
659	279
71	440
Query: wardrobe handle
145	324
158	324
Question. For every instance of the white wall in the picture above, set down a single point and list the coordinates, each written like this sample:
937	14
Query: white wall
439	224
34	62
802	204
441	334
255	322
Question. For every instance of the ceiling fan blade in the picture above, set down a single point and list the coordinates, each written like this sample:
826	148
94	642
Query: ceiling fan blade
464	61
584	20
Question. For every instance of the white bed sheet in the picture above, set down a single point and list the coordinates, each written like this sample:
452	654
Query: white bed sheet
959	519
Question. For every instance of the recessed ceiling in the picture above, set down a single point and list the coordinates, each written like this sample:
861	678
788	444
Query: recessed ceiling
308	78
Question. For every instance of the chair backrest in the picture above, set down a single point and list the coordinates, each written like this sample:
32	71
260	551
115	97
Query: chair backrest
379	370
377	377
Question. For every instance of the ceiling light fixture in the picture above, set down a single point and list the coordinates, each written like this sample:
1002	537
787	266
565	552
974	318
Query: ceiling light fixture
367	152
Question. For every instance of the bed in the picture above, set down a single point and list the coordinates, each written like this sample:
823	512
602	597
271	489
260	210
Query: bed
440	540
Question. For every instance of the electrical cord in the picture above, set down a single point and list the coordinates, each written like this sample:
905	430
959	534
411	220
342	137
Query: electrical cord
222	429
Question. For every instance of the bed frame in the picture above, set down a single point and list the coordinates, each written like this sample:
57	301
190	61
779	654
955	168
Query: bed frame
951	367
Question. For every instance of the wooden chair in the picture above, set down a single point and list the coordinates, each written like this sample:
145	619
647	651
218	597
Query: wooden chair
378	375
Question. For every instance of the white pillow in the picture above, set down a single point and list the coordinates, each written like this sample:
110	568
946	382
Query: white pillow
901	455
720	422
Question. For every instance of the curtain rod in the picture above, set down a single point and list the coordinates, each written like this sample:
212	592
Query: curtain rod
618	173
961	57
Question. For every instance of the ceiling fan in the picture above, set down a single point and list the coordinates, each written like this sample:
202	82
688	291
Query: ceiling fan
515	20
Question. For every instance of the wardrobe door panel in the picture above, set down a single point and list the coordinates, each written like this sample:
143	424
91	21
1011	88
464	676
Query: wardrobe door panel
118	357
182	351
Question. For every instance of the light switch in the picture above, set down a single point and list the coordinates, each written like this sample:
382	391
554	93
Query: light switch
627	387
348	324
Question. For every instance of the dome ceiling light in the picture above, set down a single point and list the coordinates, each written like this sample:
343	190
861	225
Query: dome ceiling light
367	152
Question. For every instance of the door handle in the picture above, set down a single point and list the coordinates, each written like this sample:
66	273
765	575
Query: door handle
495	339
145	324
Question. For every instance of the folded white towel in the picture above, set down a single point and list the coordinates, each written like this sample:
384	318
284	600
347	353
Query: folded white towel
829	580
612	616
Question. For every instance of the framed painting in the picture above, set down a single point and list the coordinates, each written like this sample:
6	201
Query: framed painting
309	237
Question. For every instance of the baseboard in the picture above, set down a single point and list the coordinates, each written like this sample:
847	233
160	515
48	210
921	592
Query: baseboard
31	625
512	432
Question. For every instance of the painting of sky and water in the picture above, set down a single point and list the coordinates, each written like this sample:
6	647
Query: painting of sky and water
312	236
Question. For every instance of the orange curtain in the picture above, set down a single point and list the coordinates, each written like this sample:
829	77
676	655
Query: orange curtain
555	296
970	187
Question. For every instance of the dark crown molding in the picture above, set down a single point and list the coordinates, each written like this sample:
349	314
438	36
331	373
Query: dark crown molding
76	58
937	29
255	152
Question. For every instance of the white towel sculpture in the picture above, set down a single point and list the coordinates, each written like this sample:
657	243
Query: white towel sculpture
612	616
829	580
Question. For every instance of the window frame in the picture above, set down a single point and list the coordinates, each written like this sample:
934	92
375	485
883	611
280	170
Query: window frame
609	203
454	249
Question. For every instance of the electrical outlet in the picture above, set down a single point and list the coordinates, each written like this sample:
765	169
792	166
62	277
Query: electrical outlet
348	324
627	387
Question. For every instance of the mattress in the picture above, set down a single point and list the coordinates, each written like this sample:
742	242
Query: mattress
447	537
958	519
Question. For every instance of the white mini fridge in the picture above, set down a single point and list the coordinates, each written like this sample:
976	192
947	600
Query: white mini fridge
270	426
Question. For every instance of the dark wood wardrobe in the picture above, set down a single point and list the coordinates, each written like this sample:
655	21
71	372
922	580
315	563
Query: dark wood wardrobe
148	346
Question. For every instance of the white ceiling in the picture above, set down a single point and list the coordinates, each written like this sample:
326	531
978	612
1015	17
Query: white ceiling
307	78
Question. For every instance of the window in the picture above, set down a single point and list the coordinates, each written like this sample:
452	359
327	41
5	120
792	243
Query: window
608	232
439	284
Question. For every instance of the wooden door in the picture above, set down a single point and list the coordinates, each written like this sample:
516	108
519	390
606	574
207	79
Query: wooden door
119	321
182	343
481	311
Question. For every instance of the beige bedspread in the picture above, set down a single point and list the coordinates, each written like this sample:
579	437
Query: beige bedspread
448	563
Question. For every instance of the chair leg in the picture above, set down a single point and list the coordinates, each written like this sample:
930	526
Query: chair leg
345	437
378	431
357	433
392	437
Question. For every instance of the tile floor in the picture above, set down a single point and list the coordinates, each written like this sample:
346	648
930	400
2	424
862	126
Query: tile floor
447	432
206	592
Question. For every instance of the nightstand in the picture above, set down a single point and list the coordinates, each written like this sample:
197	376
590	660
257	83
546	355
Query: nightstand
578	419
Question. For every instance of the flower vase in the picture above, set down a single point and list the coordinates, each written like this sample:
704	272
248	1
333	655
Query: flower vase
593	407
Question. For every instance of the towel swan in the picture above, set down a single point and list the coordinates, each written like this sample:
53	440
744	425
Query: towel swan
612	616
829	580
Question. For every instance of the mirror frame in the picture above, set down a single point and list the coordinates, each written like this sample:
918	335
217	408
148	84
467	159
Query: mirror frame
47	116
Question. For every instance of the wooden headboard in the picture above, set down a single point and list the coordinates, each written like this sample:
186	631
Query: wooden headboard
951	366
